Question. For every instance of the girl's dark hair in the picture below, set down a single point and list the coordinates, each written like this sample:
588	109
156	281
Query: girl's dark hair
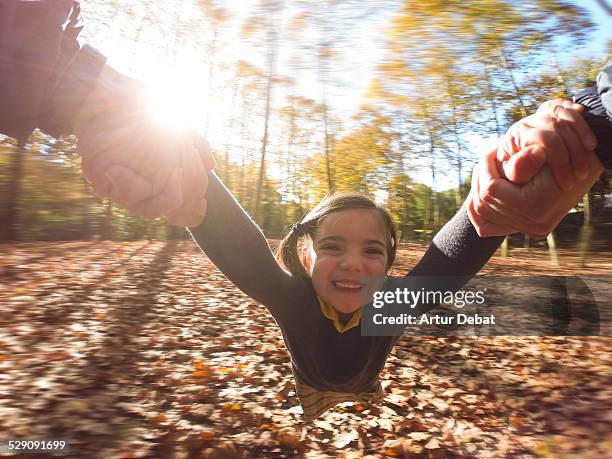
291	255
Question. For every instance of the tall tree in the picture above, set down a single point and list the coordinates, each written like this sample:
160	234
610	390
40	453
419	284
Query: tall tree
264	25
10	227
216	17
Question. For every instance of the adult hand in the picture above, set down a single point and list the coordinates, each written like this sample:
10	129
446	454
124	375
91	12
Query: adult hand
136	164
498	207
556	134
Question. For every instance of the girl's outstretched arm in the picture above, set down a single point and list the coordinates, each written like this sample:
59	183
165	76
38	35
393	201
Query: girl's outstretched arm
454	256
457	250
236	245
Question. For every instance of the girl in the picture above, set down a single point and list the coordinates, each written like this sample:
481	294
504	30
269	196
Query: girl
329	265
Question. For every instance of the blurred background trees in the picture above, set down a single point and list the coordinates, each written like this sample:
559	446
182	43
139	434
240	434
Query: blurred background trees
302	98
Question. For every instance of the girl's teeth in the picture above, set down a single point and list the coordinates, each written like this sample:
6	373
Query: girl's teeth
347	285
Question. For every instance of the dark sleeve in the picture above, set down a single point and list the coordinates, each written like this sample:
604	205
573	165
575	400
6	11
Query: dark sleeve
42	66
236	245
598	113
604	88
457	250
455	255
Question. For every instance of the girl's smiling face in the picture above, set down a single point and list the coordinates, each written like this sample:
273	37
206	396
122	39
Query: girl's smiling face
348	259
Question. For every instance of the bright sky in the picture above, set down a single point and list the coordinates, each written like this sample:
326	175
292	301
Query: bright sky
165	61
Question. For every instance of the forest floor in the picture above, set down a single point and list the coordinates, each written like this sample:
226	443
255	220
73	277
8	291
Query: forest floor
144	349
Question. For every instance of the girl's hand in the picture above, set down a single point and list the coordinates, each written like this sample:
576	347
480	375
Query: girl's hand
556	134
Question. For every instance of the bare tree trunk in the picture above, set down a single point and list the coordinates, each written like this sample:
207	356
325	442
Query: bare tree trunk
226	174
552	249
242	176
492	99
172	232
11	213
86	227
434	196
244	150
517	93
560	77
211	65
586	232
330	182
272	52
428	212
108	221
323	82
504	247
459	194
604	5
458	162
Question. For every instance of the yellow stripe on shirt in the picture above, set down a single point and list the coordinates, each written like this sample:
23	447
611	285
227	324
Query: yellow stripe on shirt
331	313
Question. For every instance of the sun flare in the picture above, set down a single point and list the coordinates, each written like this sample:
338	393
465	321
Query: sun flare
177	100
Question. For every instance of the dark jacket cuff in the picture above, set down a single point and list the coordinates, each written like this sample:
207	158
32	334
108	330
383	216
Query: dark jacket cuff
597	118
60	108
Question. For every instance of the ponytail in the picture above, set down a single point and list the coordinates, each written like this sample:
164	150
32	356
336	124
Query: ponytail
289	254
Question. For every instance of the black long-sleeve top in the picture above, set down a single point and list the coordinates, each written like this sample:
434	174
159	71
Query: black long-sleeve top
321	357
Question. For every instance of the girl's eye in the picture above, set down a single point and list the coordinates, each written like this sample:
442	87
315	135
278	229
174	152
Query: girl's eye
330	247
374	250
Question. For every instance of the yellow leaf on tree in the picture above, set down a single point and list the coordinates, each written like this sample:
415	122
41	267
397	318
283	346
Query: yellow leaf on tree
199	365
200	373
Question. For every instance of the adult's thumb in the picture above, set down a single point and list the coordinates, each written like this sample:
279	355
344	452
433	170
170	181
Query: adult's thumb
523	166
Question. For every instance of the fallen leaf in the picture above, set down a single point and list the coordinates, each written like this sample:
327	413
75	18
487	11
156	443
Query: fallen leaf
288	438
345	439
419	436
432	444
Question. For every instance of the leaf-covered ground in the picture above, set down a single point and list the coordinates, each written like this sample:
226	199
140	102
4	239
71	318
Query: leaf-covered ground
143	349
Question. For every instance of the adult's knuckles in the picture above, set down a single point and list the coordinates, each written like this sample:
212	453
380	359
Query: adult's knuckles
540	136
